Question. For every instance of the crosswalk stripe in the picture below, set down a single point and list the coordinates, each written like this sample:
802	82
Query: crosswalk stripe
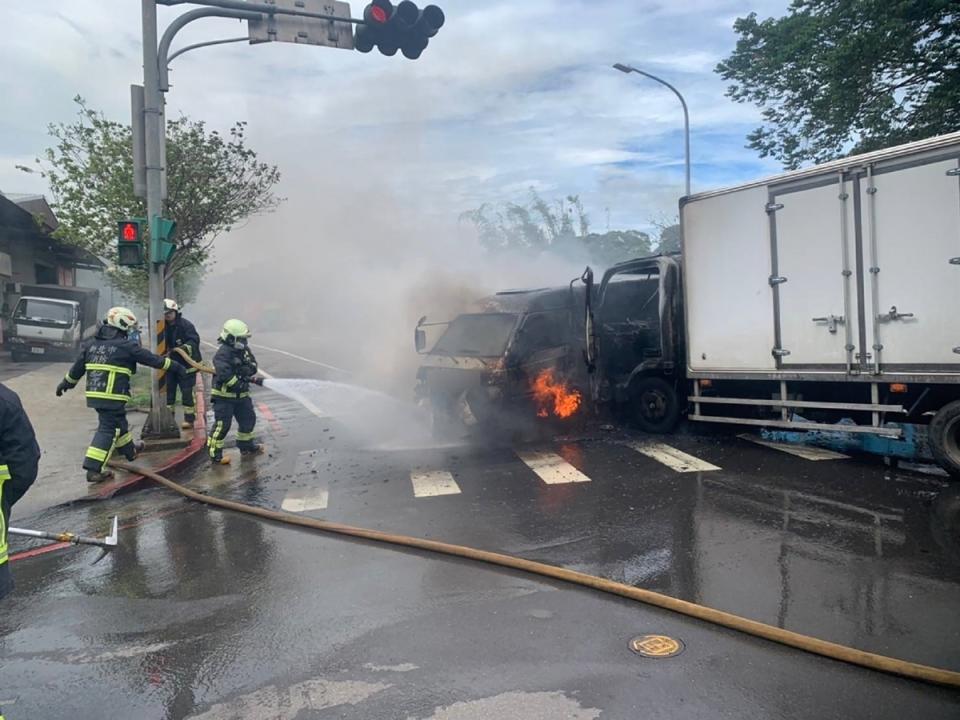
804	451
671	457
551	468
306	499
433	483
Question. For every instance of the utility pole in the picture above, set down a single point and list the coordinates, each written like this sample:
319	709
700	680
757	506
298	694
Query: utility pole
160	422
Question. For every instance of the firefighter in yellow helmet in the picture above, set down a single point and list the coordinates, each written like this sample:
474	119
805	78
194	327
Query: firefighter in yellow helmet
235	369
109	361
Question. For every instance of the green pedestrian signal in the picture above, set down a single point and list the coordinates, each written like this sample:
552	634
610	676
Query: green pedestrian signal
130	242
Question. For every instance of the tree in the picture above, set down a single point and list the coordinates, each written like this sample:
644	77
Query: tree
213	184
561	227
839	76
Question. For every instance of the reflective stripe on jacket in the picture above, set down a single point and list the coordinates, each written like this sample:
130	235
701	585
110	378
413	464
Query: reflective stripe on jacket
109	362
234	366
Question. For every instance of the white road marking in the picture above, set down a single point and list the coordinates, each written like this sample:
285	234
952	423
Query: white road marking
551	468
301	358
433	483
671	457
304	499
803	451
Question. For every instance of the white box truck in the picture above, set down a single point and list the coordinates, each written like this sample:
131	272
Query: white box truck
820	296
52	321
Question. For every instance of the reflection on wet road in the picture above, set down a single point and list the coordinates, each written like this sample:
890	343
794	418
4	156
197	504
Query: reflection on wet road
202	613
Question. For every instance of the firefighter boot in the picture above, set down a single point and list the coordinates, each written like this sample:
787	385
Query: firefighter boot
96	477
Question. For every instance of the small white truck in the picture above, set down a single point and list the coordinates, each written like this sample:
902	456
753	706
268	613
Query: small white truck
52	321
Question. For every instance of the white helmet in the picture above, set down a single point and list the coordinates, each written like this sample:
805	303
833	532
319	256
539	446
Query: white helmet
121	318
170	305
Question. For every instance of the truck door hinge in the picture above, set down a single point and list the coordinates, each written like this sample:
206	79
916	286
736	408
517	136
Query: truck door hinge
957	350
775	280
955	261
780	352
832	321
953	172
773	207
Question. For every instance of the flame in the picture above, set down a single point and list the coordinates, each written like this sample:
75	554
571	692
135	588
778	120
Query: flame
554	397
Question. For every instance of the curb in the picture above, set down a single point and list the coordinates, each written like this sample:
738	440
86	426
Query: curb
137	482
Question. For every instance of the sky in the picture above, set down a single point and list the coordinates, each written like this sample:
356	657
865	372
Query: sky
510	95
380	156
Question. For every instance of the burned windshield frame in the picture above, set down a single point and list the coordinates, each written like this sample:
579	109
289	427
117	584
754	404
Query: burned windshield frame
465	335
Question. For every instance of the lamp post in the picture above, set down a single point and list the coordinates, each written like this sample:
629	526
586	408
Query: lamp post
686	116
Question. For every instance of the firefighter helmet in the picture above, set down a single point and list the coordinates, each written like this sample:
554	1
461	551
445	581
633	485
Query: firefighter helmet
121	318
170	305
234	330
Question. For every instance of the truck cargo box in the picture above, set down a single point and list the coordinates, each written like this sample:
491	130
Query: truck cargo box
851	268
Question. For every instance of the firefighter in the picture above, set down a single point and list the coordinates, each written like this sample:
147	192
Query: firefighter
236	368
19	455
181	333
109	361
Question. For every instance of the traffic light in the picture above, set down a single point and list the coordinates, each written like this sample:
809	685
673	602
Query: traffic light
405	27
130	242
162	232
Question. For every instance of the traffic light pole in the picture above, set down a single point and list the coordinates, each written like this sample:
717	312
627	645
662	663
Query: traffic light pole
160	422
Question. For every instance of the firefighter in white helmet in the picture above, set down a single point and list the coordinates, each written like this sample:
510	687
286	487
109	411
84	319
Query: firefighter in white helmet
181	334
109	361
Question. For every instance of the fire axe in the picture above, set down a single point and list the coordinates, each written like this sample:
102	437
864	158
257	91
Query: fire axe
107	543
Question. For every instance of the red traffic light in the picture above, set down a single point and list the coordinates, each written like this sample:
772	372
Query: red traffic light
129	231
378	14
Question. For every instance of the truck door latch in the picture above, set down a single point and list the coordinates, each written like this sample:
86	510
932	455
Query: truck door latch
957	350
780	352
832	322
953	172
894	314
775	280
955	261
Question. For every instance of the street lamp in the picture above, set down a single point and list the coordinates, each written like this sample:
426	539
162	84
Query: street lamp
686	116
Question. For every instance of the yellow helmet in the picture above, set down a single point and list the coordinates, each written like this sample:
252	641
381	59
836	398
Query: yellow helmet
121	318
233	330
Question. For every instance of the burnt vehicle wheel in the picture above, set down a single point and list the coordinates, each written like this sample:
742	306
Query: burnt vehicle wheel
655	407
945	438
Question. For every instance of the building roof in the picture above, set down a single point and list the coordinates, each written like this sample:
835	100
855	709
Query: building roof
31	214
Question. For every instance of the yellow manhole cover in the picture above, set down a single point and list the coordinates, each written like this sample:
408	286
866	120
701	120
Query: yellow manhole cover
656	646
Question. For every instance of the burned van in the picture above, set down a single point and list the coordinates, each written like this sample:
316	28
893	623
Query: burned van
514	361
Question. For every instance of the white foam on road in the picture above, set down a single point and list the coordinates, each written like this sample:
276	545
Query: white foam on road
551	468
804	451
433	483
674	459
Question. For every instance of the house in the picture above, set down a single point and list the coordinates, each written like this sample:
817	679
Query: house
30	255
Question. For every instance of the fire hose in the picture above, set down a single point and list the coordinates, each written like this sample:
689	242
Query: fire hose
816	646
193	363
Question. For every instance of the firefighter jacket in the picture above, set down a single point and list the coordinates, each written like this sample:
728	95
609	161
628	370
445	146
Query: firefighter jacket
181	333
234	365
19	455
109	360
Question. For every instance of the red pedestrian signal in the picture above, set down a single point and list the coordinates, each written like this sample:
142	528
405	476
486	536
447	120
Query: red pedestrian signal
129	243
129	232
403	27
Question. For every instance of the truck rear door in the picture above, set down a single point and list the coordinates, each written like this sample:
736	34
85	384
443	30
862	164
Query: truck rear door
911	226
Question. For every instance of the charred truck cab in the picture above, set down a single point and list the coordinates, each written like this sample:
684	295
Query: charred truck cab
634	334
514	360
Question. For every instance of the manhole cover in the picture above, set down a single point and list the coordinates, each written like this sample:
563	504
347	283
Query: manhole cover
656	646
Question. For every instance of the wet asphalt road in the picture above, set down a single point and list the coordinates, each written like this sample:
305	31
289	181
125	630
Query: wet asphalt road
203	613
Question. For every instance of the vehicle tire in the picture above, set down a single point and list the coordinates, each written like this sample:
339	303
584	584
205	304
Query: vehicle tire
945	438
655	407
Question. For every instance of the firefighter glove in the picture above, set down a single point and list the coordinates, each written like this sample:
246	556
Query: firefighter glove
63	387
257	380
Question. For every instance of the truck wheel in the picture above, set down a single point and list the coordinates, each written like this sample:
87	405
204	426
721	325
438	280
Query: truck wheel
945	437
655	407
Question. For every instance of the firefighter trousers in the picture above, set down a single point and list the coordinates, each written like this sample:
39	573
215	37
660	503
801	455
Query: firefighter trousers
113	433
186	382
224	411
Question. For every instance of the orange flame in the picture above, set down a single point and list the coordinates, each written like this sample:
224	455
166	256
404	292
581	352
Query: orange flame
554	397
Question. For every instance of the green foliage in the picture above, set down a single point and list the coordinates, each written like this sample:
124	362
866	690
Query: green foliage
213	183
840	76
561	227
